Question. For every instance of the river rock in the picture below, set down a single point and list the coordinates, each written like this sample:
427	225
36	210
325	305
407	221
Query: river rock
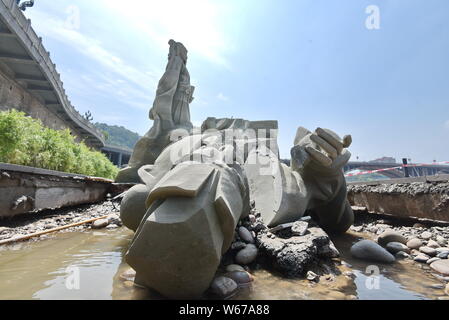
414	243
114	219
247	255
239	245
402	255
441	266
390	236
369	250
443	249
252	218
422	258
299	228
441	241
443	255
395	247
246	235
429	251
242	278
3	230
223	287
100	224
312	276
426	235
234	267
432	260
432	244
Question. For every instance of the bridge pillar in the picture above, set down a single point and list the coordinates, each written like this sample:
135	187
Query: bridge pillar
120	159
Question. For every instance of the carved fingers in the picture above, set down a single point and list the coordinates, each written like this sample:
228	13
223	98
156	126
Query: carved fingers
324	147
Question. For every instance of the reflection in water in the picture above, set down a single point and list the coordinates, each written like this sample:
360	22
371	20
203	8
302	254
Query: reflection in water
48	269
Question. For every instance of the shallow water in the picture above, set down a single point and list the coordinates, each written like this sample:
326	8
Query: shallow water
48	269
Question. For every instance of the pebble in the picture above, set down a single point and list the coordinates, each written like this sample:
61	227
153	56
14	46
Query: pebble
369	250
414	243
437	286
239	245
234	267
390	236
306	219
426	235
252	218
348	274
299	228
114	218
441	266
242	278
247	255
312	276
428	251
419	225
432	244
112	226
100	224
402	255
223	287
432	260
128	275
443	249
395	247
421	258
443	255
441	241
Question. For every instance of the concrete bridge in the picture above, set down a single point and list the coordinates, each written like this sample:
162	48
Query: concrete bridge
29	81
118	155
414	170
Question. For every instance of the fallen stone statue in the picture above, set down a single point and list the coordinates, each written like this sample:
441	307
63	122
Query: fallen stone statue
196	184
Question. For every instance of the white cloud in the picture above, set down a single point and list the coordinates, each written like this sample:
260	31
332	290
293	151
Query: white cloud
222	97
55	28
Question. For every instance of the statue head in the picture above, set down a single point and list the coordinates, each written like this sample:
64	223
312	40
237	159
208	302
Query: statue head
177	49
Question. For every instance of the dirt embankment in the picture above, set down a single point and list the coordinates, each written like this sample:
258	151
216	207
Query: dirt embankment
422	200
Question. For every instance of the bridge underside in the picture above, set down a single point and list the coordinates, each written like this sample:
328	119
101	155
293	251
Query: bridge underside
118	156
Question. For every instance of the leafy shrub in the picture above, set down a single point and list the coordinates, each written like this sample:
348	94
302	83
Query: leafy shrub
25	141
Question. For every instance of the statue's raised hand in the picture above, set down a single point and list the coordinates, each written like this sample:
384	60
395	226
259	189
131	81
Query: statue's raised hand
323	151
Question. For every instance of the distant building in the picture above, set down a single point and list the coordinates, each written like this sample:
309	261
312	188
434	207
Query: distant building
384	160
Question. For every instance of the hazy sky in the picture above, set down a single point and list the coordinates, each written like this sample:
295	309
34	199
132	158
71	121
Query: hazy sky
302	62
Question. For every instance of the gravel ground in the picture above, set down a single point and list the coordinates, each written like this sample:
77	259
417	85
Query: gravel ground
50	219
